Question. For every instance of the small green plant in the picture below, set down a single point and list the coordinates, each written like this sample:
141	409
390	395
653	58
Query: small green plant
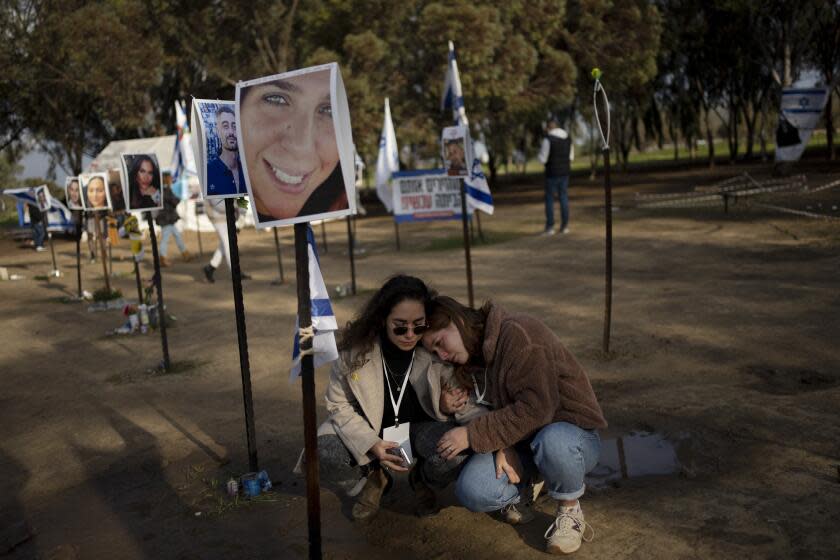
102	294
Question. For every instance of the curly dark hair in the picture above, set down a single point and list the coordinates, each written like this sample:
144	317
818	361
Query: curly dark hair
360	333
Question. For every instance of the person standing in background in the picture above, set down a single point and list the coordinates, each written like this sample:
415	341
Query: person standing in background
166	219
36	221
215	210
557	153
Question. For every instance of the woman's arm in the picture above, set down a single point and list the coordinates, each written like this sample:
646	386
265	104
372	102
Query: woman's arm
345	413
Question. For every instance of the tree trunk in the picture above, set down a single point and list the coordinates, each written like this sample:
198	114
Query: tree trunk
829	127
749	120
673	131
732	132
710	140
491	162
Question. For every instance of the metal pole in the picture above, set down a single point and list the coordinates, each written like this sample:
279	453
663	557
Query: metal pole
98	226
608	265
139	283
351	243
467	243
313	494
279	259
239	306
198	230
49	240
79	253
324	235
397	232
477	215
159	285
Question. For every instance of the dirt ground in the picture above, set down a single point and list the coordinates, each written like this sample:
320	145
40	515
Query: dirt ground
724	337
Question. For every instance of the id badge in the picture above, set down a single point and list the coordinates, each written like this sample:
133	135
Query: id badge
399	434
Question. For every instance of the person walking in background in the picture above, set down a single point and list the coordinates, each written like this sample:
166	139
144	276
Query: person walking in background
557	153
166	219
36	221
215	210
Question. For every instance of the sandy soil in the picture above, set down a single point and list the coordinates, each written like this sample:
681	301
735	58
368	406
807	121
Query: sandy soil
725	336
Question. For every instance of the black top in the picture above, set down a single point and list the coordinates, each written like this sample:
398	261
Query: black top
410	409
35	214
558	163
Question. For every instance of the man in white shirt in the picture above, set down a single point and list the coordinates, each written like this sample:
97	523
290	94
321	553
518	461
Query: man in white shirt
556	153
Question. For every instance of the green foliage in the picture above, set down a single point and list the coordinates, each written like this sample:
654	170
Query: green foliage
102	294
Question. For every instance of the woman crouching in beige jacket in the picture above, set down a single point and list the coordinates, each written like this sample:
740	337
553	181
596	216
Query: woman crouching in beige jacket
386	393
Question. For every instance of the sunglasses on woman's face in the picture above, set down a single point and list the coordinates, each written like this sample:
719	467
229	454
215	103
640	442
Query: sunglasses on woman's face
403	329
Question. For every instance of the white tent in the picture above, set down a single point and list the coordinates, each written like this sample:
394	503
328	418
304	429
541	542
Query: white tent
109	158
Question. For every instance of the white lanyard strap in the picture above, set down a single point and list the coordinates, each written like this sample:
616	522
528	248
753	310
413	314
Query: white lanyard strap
396	404
479	397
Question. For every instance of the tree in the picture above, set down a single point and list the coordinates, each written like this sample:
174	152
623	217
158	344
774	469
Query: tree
824	54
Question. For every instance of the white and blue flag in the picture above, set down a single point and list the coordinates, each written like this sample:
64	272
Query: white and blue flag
478	191
387	161
183	158
323	318
800	114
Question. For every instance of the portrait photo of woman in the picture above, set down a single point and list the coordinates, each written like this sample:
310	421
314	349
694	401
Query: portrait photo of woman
293	144
43	198
142	174
95	192
73	194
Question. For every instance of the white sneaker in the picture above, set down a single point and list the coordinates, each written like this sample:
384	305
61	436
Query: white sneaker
565	230
565	535
548	231
40	249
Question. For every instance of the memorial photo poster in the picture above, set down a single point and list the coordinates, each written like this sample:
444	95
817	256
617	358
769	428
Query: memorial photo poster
115	186
216	147
296	146
73	194
95	191
42	197
457	149
142	182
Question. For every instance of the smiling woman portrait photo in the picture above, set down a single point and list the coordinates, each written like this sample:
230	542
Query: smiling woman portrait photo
95	192
290	147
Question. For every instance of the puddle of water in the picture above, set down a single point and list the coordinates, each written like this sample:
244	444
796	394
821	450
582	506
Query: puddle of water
634	455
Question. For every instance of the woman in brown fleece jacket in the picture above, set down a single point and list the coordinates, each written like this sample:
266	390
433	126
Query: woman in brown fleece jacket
544	418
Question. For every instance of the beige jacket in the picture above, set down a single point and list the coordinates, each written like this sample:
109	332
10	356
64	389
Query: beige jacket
356	396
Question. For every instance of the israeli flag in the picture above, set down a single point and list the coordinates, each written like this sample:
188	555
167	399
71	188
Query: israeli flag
387	161
478	191
323	317
183	158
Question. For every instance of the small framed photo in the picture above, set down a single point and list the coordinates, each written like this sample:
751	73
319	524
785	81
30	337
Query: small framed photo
43	198
115	186
142	182
217	149
456	150
95	191
296	146
73	194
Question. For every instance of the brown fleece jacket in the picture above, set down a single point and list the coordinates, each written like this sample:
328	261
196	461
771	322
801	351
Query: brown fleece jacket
532	381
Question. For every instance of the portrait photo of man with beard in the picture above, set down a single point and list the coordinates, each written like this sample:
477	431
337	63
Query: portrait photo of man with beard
224	170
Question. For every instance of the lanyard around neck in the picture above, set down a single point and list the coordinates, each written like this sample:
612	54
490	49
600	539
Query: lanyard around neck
396	404
479	397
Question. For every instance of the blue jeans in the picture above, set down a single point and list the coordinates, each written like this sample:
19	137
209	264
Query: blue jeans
561	452
559	185
166	231
38	234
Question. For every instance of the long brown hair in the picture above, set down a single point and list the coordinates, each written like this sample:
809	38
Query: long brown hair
470	324
362	331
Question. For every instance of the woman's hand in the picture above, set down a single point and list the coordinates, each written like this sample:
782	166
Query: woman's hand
453	442
453	400
507	462
388	460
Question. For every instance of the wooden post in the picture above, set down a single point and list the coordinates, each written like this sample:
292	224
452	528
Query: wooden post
608	264
397	232
467	243
239	307
351	243
98	225
137	279
313	492
477	216
159	285
324	236
279	259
